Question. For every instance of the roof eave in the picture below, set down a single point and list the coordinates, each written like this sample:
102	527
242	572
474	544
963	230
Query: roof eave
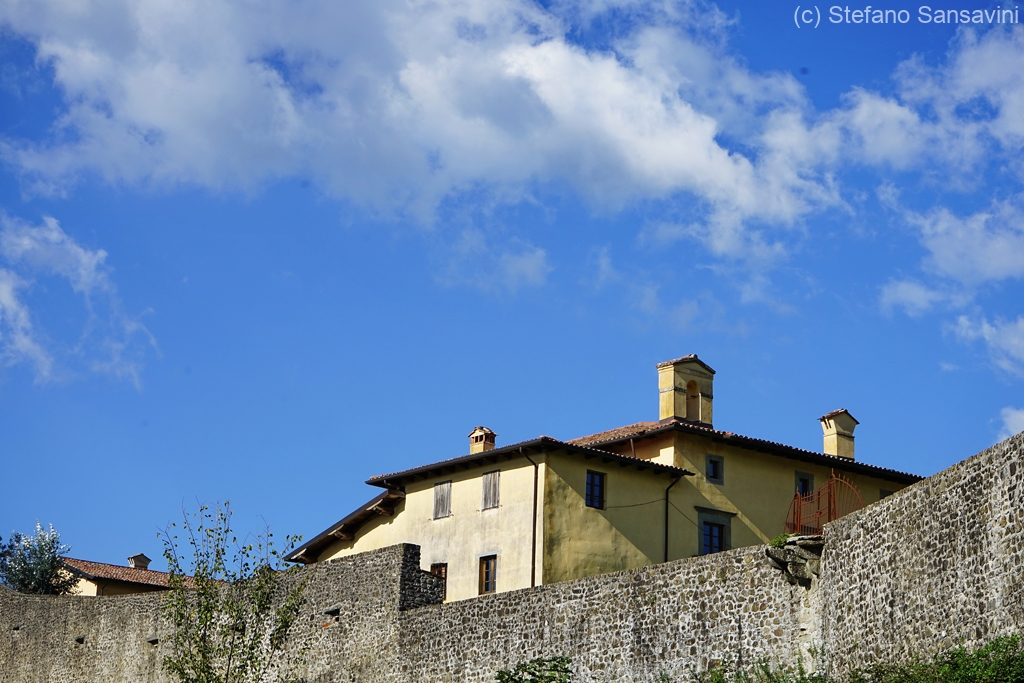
782	450
392	483
543	443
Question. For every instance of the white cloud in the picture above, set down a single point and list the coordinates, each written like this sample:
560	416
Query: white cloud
971	250
913	297
1013	422
484	262
47	248
1003	338
398	104
948	119
603	271
527	267
109	342
18	342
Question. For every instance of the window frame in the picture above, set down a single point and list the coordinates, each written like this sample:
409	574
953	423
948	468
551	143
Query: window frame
710	458
596	494
796	482
488	574
708	544
496	488
719	518
439	486
440	570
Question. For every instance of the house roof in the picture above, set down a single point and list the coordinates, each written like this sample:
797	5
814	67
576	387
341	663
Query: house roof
838	411
650	429
540	444
114	572
691	357
385	502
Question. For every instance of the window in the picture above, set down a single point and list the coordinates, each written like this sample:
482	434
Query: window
714	530
714	538
488	574
490	490
442	499
804	483
440	569
692	401
884	493
595	490
714	469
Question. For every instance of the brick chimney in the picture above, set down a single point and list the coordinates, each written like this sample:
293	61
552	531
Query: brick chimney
684	390
139	561
481	439
838	427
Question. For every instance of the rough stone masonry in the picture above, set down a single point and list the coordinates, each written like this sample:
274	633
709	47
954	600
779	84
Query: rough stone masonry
934	565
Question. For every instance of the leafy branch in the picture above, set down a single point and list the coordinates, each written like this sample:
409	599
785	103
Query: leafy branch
230	604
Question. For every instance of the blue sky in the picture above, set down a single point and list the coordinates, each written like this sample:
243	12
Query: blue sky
264	251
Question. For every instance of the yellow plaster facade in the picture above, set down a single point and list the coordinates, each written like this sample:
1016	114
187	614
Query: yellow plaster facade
663	483
111	587
468	533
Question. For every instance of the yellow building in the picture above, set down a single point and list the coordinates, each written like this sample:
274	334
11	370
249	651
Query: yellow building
546	510
100	578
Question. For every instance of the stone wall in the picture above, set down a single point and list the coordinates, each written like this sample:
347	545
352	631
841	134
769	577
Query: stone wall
934	565
375	617
625	626
352	614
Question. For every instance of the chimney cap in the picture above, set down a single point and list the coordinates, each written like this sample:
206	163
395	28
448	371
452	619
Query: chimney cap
690	358
481	439
139	561
839	411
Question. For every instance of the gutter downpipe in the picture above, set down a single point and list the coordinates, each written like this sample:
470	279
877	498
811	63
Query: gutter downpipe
674	482
533	542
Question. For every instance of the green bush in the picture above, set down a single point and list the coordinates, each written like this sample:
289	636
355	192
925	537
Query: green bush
1001	661
35	564
540	670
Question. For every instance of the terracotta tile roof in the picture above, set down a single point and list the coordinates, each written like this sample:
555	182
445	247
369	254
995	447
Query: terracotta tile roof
690	357
837	412
616	434
116	572
643	429
539	443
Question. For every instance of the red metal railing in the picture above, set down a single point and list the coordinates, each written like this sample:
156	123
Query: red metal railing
808	513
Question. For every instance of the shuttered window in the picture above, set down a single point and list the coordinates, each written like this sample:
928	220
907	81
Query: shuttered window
491	488
442	499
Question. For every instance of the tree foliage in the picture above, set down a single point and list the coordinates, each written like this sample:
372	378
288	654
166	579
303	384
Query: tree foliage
229	607
540	670
35	564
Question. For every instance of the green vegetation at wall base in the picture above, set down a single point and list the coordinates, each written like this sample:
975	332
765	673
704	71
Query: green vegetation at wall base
1001	661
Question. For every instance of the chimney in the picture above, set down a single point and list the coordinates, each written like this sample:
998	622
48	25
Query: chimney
139	561
481	439
684	389
838	427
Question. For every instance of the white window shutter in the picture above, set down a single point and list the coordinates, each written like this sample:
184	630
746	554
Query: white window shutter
491	489
442	499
